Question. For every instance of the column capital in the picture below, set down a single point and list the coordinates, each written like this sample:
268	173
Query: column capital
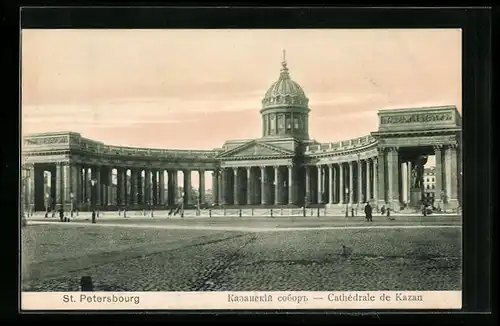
201	170
350	163
393	148
438	147
451	146
289	166
249	168
276	167
262	167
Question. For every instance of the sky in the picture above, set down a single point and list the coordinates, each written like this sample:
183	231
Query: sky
199	88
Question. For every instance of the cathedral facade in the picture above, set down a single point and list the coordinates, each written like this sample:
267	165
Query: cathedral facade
284	167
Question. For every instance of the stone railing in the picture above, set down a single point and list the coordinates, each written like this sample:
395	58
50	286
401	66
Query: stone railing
91	146
74	141
341	145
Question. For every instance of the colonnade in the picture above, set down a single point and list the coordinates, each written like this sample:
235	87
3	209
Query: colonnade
384	179
80	186
336	183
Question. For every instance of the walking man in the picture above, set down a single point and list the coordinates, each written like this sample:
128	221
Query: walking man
368	212
180	204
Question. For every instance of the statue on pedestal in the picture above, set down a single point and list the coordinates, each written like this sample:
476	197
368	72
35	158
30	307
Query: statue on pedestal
417	172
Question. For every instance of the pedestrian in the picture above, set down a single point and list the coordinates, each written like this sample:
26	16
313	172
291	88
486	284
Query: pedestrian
352	211
368	212
388	211
61	214
382	210
180	203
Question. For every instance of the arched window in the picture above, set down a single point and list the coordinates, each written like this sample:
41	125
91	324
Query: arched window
281	122
273	124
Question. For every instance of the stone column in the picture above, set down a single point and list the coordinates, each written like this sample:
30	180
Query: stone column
263	195
222	186
381	166
236	187
164	188
31	187
88	186
215	187
187	187
408	181
201	187
154	186
308	185
109	178
402	180
375	177
320	183
360	181
392	173
330	184
249	186
452	171
175	186
59	186
291	185
341	184
351	182
66	186
277	186
98	185
368	181
76	184
134	176
120	186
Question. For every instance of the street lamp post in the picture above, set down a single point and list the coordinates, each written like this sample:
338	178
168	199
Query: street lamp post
347	202
93	182
71	199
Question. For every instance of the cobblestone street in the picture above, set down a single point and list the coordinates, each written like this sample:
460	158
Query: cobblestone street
55	257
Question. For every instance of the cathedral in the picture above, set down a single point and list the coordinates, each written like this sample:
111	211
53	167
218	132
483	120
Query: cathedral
285	167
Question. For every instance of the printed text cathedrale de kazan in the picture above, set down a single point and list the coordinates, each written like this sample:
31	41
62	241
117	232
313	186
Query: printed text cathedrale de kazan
333	297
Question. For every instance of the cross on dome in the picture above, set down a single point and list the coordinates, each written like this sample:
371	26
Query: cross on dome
284	69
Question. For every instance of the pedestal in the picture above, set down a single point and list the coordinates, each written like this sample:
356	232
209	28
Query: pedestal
415	197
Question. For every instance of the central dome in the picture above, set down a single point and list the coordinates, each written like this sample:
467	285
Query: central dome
285	93
285	108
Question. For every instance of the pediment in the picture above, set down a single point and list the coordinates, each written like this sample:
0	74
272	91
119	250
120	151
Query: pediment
255	149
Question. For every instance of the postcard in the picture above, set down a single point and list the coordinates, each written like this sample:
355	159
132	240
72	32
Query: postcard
241	169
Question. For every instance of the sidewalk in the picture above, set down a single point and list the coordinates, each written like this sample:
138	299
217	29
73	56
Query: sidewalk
162	215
